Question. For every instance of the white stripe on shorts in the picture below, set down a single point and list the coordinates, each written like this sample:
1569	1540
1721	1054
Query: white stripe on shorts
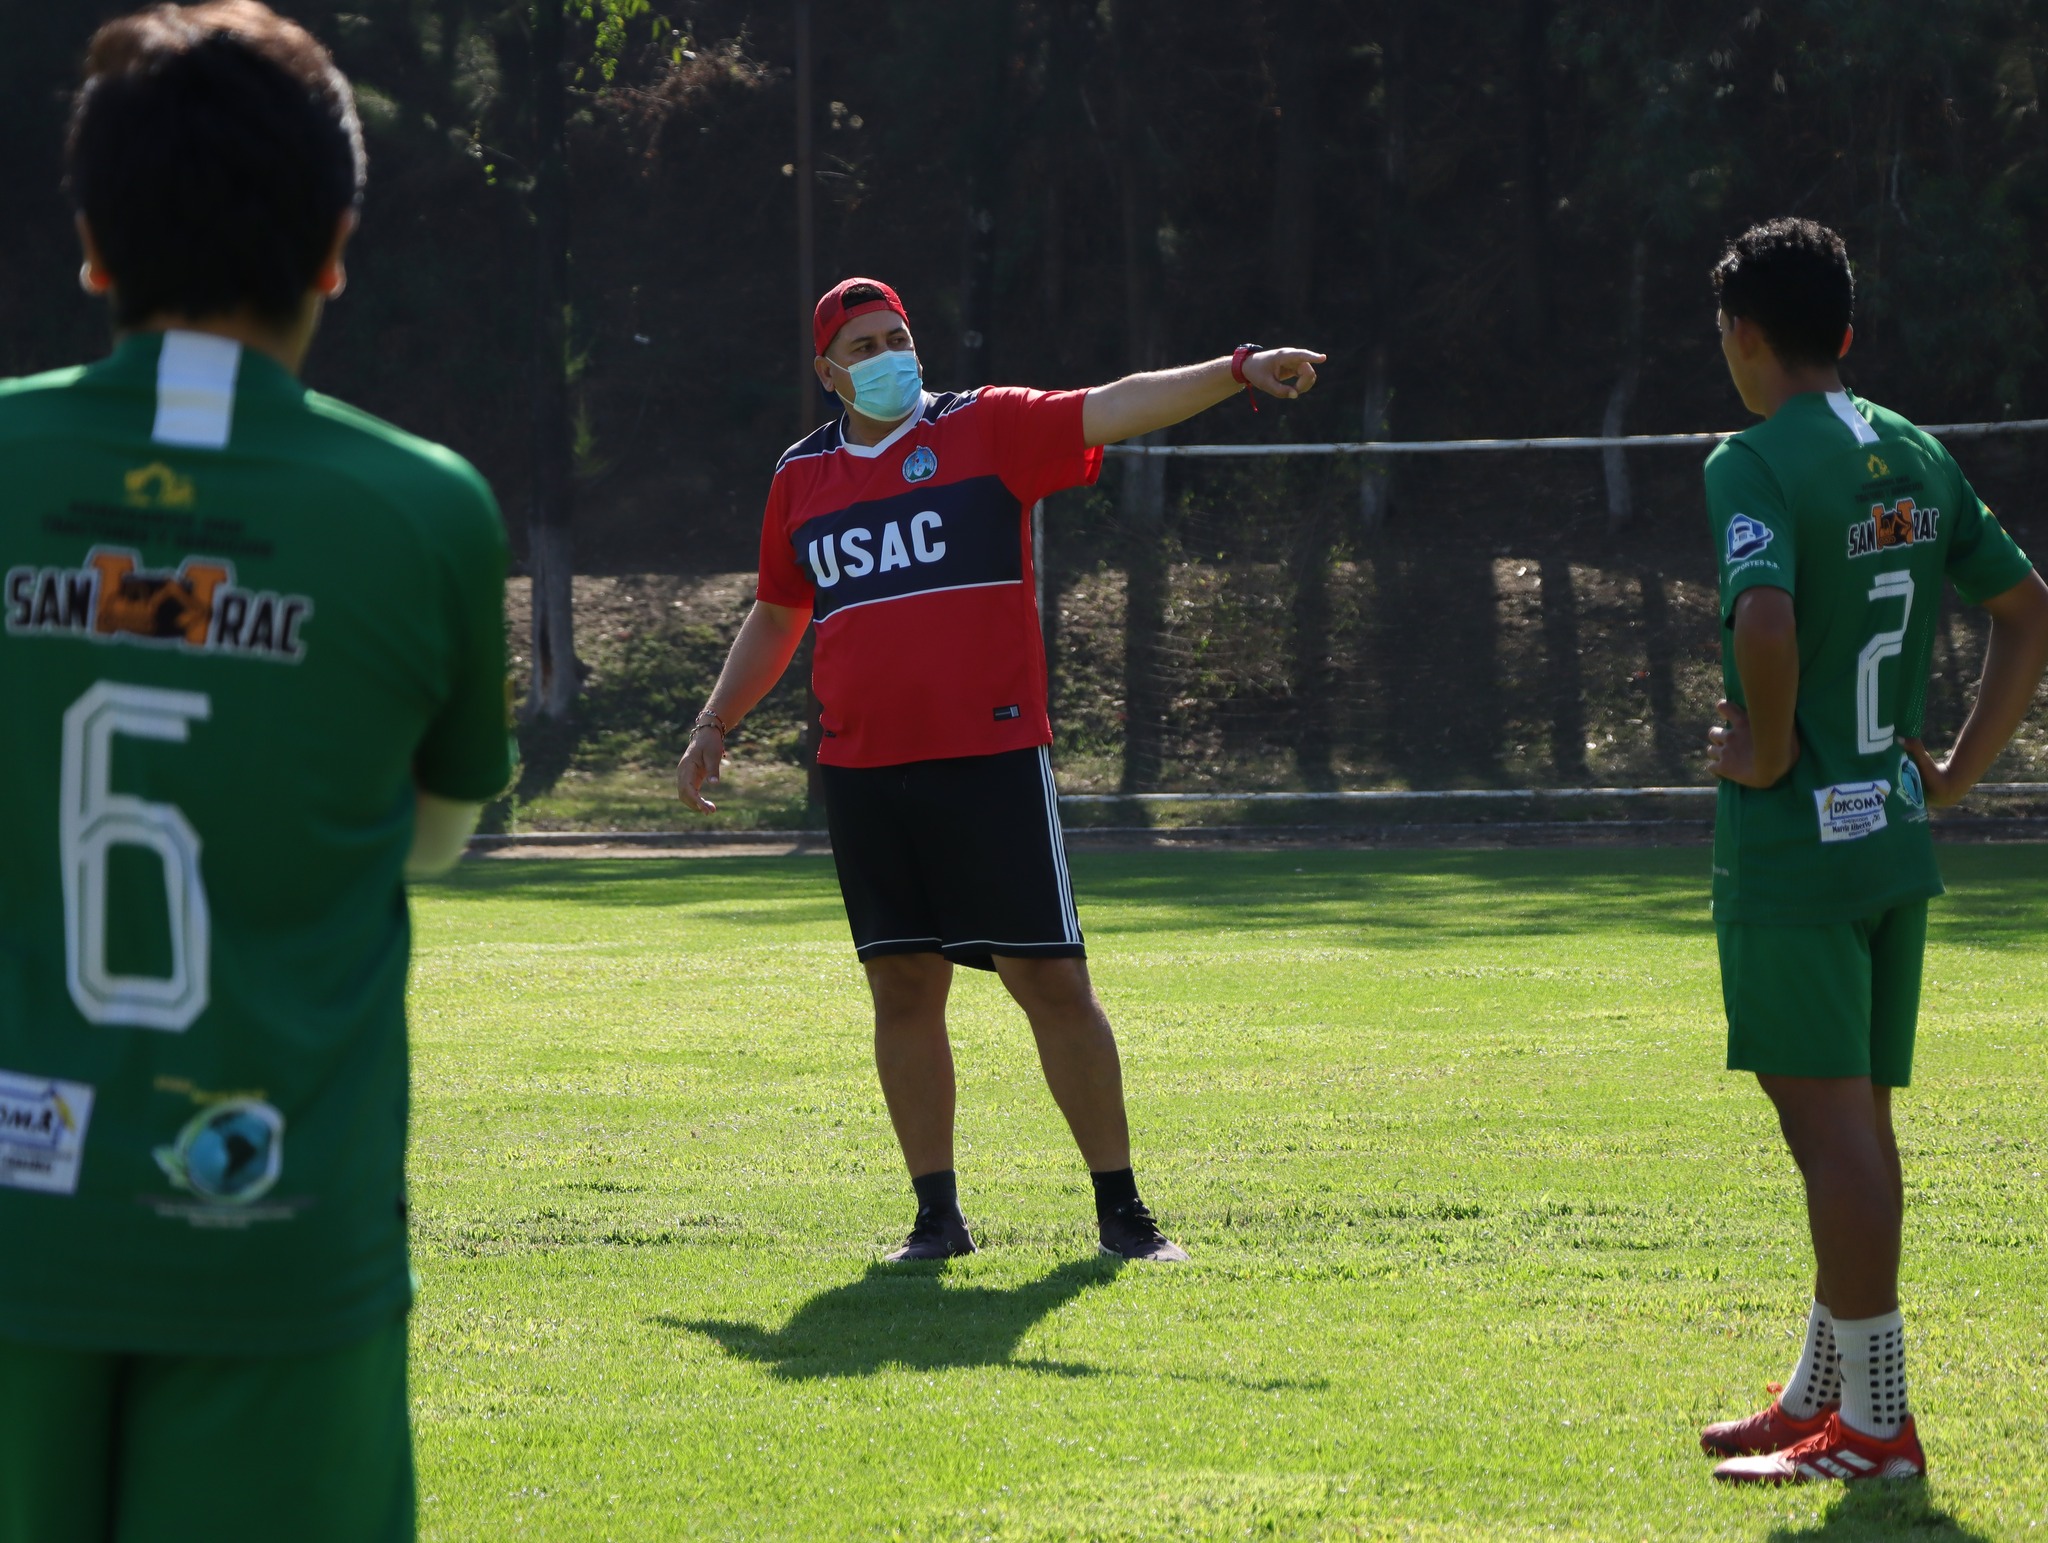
1068	915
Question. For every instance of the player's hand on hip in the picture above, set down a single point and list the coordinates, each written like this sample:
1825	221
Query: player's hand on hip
1283	372
699	765
1941	786
1731	749
1728	742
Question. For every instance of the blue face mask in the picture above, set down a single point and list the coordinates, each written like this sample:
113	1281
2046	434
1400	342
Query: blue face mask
886	386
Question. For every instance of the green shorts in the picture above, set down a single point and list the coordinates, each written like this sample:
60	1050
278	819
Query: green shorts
104	1447
1833	1001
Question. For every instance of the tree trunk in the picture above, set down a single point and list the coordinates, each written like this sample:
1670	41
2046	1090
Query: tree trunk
988	167
1660	649
550	552
1532	271
1389	268
806	226
1294	176
1146	573
1309	557
1560	609
1312	676
1620	506
1143	506
1062	112
807	379
1375	487
1053	274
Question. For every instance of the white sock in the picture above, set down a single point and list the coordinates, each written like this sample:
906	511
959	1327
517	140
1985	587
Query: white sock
1873	1354
1816	1382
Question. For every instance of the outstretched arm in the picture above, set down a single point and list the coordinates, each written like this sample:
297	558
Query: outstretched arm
1138	404
2013	662
1756	746
767	642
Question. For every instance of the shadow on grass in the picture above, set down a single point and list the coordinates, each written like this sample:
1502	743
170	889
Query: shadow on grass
897	1315
1370	900
1882	1510
790	890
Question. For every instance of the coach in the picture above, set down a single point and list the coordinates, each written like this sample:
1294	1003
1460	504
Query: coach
902	532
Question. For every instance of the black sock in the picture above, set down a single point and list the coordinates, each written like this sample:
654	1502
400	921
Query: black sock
938	1193
1114	1191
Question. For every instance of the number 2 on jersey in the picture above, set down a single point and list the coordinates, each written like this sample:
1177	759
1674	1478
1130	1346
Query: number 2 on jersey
92	820
1873	737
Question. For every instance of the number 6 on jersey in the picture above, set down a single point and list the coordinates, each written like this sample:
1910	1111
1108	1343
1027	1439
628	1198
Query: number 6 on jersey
94	819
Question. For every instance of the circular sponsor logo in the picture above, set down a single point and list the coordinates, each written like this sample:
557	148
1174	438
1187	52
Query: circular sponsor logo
1911	788
920	465
231	1152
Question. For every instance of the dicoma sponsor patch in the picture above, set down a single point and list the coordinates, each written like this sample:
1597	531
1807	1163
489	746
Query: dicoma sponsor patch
1904	524
1849	811
42	1132
196	606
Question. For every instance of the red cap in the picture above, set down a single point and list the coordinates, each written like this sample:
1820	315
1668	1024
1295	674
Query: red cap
833	312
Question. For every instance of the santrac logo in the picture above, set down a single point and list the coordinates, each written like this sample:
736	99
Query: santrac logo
230	1152
1901	525
196	606
1747	537
921	465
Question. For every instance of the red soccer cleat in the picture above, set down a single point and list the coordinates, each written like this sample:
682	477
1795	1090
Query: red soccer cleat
1836	1451
1768	1430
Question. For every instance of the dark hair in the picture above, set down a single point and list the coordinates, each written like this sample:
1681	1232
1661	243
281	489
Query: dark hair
212	150
1792	278
860	294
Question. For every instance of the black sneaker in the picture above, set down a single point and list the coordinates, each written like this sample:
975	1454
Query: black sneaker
934	1236
1130	1233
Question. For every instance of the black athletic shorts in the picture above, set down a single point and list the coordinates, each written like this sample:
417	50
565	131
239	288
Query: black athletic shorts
960	857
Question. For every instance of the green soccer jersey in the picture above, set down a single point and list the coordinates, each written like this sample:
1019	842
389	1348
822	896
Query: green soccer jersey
242	623
1859	516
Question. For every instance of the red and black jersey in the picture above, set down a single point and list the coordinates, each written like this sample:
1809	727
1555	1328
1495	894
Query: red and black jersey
914	557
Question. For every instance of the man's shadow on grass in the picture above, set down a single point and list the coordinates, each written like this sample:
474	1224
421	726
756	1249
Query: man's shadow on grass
897	1315
1876	1510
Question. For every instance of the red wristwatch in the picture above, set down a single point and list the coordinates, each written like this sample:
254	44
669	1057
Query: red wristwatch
1238	355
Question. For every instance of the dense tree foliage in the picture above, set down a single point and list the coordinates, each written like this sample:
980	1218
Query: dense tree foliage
1063	188
1496	216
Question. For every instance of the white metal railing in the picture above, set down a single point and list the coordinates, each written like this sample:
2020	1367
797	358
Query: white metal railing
1424	795
1570	442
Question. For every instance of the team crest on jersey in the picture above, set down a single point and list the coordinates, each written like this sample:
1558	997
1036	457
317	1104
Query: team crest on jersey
921	465
156	486
1904	524
196	606
1747	537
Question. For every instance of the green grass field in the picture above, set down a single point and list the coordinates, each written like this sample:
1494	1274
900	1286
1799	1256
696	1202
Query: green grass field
1482	1233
